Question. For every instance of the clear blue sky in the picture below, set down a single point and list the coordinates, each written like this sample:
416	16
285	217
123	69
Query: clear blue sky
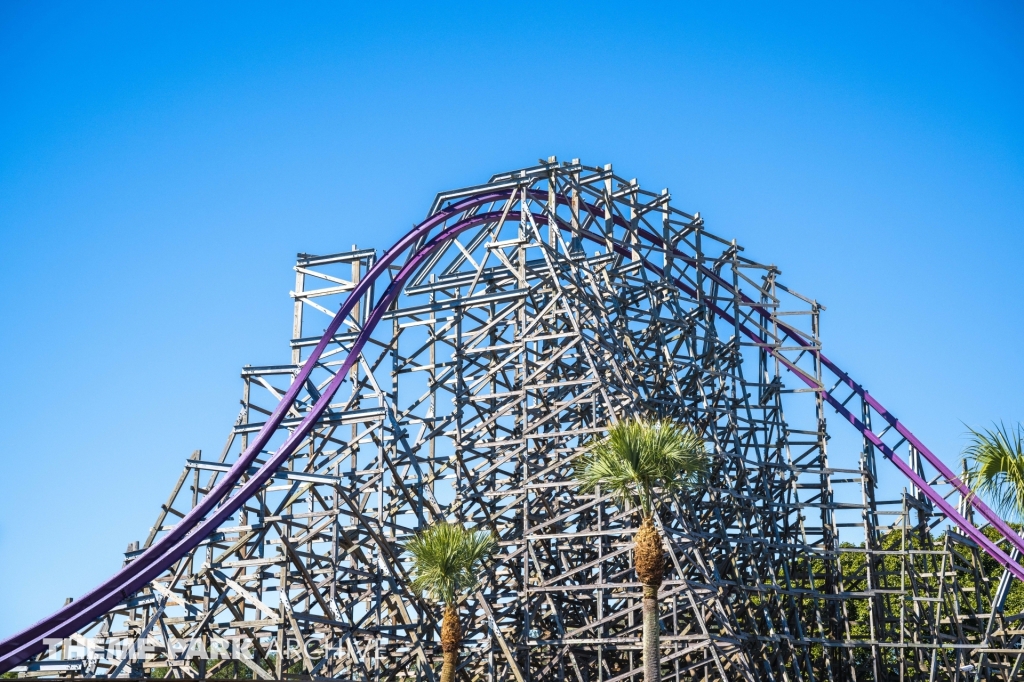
161	164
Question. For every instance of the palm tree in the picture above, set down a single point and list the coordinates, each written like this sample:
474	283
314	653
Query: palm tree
637	459
444	558
997	468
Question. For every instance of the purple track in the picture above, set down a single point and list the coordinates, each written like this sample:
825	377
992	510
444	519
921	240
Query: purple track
207	516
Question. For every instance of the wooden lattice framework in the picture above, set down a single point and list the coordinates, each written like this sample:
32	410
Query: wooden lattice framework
509	347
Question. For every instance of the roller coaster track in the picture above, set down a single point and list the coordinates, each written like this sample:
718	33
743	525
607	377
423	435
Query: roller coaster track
418	246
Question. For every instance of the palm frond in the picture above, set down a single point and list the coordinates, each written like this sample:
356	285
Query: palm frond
997	468
444	558
640	455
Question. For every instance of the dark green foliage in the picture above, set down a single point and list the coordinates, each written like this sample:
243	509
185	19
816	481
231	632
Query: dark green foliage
911	562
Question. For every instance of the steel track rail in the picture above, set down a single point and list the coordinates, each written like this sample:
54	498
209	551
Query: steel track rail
192	529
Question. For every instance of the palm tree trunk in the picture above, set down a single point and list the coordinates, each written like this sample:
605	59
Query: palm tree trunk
652	636
649	559
451	658
451	640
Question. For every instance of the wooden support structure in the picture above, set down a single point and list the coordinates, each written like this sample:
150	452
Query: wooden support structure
514	344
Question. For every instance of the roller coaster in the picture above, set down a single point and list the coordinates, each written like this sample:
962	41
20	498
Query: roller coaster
459	374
